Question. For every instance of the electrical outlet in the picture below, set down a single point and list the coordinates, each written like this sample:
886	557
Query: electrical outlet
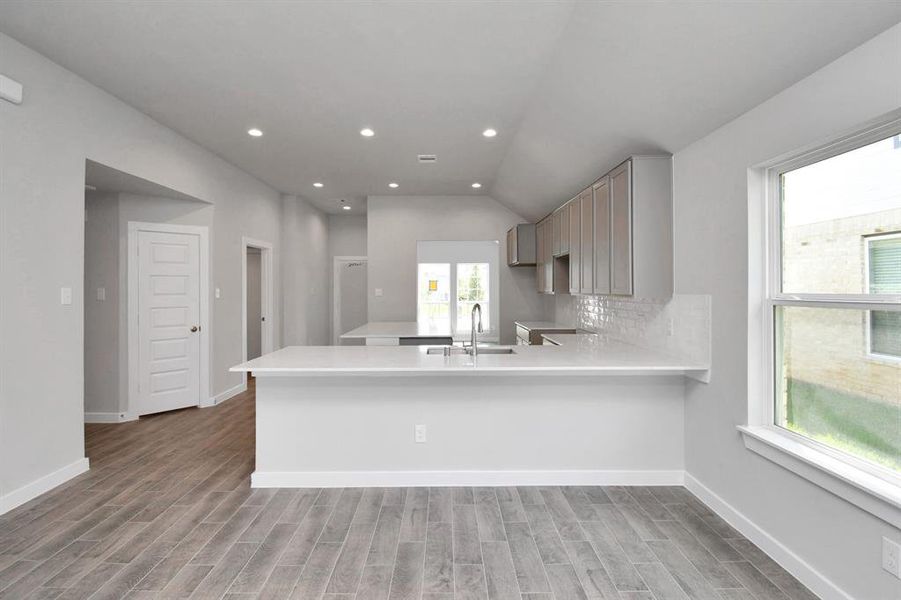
65	296
670	327
218	294
891	557
101	294
378	292
419	434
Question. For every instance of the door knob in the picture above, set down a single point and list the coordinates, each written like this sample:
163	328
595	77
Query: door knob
194	329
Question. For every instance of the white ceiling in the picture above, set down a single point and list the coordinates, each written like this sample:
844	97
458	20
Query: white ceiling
572	87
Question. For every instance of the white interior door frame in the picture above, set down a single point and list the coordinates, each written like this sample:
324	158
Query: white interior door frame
266	295
336	292
134	228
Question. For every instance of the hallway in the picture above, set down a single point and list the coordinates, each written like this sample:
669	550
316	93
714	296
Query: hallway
166	511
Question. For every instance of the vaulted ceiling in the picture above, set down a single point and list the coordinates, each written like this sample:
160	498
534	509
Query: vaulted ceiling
572	88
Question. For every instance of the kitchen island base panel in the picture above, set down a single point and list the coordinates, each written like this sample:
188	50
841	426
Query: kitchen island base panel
503	430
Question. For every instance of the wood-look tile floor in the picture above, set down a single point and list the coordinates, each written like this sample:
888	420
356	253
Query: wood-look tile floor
166	511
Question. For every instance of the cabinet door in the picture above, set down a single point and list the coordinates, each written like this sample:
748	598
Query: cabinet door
602	236
565	244
539	256
586	256
549	286
621	230
556	221
575	257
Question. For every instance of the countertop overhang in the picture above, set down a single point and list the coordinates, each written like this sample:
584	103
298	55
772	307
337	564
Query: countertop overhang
578	354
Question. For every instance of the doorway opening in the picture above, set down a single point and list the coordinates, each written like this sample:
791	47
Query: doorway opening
140	353
257	309
349	308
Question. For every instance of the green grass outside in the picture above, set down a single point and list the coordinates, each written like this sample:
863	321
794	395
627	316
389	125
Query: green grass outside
857	425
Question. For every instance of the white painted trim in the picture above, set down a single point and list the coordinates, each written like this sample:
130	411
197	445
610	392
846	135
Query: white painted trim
302	479
867	491
267	294
791	562
109	417
336	294
46	483
226	395
133	333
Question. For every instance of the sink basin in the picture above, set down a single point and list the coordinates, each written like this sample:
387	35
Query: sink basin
459	350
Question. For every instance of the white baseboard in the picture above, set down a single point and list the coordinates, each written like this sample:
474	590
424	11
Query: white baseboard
226	395
791	562
44	484
109	417
303	479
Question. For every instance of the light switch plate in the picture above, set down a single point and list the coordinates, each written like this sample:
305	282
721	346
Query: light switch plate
217	293
101	294
891	557
65	296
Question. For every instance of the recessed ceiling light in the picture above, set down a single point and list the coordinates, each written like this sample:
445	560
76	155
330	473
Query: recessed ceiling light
477	185
392	185
317	184
367	132
489	133
254	132
346	207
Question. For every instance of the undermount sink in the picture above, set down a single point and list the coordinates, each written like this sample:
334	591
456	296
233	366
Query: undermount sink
459	350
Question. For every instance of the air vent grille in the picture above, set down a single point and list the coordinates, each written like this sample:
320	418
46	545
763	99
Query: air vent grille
427	158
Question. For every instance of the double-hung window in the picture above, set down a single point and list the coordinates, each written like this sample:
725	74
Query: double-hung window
452	277
833	304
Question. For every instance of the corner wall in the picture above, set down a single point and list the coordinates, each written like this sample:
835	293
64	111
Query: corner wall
834	538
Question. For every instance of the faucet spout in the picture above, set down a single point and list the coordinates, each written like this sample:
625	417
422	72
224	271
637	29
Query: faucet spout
476	328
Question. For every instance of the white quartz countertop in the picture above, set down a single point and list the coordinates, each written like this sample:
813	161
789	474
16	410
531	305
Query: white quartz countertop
393	329
578	354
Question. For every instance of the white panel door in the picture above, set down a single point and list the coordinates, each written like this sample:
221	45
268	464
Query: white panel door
168	321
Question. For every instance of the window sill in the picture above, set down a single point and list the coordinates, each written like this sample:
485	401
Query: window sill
866	491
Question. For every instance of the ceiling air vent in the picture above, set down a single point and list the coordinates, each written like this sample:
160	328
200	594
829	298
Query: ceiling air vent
427	159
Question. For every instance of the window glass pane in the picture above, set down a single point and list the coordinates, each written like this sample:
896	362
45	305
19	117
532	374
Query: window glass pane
830	209
884	253
434	297
831	388
472	286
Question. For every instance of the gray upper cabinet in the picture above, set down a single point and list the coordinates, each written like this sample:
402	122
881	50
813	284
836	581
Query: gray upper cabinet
575	245
601	193
544	261
521	249
586	255
621	230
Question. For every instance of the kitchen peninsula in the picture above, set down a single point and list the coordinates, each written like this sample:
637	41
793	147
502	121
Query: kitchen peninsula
587	411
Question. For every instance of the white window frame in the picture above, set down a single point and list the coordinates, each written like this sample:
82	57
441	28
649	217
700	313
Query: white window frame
447	254
875	356
869	486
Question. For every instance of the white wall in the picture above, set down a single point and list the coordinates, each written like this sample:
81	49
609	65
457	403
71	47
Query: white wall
396	223
305	273
101	318
835	538
63	121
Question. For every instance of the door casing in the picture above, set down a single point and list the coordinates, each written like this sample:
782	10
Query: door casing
267	343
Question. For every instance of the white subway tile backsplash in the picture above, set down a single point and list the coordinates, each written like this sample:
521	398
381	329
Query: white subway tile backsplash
679	326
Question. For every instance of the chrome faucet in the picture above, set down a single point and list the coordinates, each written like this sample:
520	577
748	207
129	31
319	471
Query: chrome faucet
476	328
